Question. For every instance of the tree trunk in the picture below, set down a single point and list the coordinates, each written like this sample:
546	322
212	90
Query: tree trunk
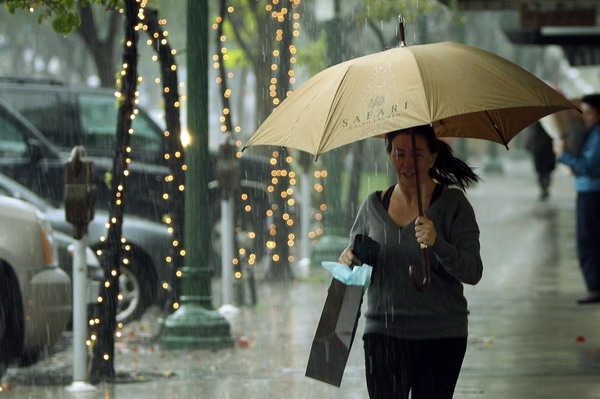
104	350
222	73
280	270
102	50
262	65
174	147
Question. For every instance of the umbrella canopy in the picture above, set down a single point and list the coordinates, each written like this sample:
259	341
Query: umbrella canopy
464	91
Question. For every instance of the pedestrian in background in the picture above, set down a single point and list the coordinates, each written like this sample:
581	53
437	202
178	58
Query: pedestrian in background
416	341
586	167
540	144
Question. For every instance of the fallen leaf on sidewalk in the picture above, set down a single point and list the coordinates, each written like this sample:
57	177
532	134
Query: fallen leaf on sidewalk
243	342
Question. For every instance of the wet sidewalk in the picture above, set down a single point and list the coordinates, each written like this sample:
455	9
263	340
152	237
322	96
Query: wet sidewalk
528	338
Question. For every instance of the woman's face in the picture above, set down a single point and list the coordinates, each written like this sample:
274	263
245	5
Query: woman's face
589	114
402	158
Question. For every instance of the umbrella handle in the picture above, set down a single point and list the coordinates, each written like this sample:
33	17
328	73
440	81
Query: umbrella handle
426	269
412	272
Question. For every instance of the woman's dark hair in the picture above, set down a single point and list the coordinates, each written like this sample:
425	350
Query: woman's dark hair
447	169
593	100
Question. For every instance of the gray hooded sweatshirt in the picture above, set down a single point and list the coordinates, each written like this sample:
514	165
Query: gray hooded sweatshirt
394	306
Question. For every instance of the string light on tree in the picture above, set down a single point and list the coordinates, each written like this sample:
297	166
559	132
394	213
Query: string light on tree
283	13
177	154
102	340
174	187
221	55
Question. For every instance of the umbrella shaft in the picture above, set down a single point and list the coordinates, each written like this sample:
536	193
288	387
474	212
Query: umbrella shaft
417	174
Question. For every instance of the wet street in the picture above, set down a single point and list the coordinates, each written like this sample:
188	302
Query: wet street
528	338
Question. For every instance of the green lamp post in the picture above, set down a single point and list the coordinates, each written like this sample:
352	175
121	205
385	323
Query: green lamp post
195	324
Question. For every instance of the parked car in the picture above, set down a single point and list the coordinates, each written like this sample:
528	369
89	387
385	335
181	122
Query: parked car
41	121
142	279
35	294
95	276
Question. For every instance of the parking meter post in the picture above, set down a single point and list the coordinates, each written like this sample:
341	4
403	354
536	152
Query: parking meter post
227	250
79	383
79	277
305	161
80	202
228	176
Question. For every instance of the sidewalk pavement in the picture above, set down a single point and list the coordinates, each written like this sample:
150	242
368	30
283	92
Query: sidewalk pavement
528	338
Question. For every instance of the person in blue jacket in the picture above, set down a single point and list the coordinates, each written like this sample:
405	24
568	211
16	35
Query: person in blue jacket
586	167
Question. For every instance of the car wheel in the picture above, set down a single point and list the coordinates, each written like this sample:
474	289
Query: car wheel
12	324
4	323
135	288
132	301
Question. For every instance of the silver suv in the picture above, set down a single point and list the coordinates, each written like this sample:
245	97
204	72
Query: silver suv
35	294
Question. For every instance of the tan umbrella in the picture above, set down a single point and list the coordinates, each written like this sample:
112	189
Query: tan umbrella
466	91
463	91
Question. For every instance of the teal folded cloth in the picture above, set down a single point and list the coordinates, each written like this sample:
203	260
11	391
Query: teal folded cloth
358	275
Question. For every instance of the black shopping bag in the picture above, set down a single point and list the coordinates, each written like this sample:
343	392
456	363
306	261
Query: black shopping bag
339	319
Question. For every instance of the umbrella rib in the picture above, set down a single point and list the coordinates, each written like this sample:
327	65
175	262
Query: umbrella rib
500	135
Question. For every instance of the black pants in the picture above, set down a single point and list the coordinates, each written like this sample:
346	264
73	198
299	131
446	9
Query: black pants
588	231
396	366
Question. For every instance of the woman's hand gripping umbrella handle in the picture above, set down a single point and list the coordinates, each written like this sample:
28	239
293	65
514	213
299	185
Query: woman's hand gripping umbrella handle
412	270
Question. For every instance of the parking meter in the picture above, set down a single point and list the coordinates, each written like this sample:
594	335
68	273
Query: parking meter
80	191
228	172
80	202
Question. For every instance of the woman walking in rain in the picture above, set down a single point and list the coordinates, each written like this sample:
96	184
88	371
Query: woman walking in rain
416	341
586	167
